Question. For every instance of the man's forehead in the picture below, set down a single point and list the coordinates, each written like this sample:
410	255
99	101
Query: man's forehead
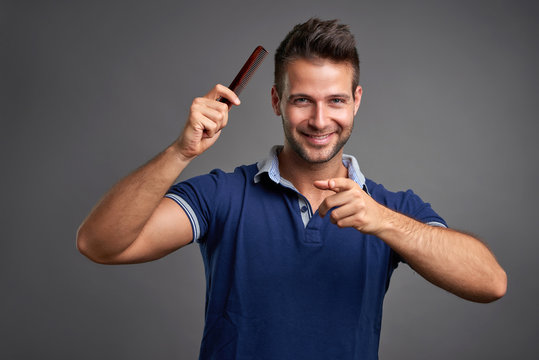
318	73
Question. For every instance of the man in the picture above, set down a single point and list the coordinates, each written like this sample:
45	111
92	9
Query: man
299	248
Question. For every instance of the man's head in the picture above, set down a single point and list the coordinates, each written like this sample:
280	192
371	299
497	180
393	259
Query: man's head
317	39
316	91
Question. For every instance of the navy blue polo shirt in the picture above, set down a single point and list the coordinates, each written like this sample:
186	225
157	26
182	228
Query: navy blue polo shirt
282	282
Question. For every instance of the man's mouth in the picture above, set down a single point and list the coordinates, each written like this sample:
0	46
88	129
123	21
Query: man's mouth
318	139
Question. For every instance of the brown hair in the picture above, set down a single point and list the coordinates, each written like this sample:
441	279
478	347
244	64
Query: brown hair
317	39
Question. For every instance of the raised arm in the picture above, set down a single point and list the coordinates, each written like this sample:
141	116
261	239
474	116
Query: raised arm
454	261
133	222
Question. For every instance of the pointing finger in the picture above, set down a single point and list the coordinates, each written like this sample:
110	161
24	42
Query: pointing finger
335	184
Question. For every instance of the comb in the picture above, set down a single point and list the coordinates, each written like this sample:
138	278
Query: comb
246	72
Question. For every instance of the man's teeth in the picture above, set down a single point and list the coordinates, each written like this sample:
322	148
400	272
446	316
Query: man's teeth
319	136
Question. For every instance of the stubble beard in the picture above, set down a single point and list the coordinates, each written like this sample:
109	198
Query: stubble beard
303	153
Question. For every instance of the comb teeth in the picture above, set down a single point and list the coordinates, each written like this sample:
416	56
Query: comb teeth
246	72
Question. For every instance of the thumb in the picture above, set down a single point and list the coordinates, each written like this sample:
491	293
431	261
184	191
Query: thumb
322	184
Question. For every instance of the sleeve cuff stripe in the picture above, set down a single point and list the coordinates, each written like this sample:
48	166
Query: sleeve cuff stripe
436	223
190	214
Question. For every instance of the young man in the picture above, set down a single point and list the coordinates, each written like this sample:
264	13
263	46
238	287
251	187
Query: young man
298	248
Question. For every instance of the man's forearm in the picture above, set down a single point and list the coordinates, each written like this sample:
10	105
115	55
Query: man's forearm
119	217
454	261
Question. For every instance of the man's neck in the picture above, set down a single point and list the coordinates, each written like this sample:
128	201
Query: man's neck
302	173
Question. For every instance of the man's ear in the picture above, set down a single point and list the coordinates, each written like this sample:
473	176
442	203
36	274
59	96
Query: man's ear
357	98
275	101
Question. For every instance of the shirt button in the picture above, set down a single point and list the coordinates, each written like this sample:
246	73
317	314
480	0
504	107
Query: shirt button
303	209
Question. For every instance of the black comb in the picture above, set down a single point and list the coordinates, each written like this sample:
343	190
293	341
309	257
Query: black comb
246	72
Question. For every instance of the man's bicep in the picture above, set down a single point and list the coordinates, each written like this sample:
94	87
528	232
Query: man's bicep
168	229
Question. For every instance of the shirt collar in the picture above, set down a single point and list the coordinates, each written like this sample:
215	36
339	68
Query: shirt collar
270	166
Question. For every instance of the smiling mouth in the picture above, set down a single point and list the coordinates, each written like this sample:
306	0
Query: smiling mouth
318	139
317	136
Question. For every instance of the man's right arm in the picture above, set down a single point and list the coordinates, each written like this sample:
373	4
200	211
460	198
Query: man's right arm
134	222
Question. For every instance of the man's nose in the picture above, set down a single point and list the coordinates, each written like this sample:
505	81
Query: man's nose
319	117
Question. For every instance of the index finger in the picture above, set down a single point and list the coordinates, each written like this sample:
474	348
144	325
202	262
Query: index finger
223	94
335	184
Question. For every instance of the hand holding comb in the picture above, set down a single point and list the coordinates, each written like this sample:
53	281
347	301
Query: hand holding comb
246	72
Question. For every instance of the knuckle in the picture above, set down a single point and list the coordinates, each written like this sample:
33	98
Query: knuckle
358	202
219	116
196	105
212	126
223	107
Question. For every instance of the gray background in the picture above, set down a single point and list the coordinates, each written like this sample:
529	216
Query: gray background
91	90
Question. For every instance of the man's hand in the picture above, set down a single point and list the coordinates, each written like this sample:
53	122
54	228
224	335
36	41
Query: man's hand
352	207
454	261
207	116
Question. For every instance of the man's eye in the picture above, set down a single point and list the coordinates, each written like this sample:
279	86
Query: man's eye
338	101
302	102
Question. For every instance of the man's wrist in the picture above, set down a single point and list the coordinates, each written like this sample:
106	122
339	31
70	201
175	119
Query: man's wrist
391	222
176	152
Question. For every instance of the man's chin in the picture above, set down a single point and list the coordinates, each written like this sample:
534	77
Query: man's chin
313	154
318	157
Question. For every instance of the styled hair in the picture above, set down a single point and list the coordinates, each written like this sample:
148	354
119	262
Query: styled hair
317	39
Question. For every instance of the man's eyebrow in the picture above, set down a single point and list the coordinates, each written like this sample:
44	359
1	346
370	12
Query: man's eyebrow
332	96
299	95
342	96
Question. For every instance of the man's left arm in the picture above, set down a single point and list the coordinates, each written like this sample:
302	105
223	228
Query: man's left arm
452	260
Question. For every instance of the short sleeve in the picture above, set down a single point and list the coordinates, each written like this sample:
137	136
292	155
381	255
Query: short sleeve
416	208
197	197
407	203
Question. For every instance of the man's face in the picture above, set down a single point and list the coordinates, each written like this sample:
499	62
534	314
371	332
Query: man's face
317	107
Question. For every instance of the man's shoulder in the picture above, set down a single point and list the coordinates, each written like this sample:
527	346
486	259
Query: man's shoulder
223	178
241	170
397	200
405	202
240	173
